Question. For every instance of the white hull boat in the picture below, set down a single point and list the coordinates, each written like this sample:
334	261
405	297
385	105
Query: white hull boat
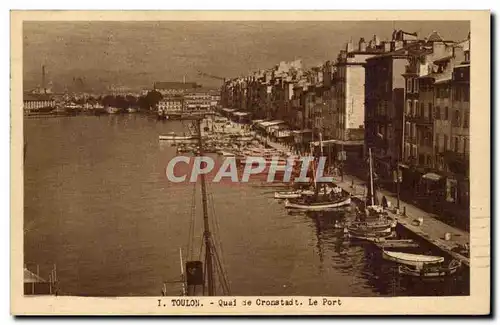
172	137
287	195
226	154
112	110
319	206
415	260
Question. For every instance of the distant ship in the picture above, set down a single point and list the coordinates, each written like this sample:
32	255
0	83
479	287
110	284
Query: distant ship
112	110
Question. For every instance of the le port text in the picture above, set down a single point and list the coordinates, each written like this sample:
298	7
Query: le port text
260	302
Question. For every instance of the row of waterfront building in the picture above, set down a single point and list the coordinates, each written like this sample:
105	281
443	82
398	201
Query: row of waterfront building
181	96
175	97
406	98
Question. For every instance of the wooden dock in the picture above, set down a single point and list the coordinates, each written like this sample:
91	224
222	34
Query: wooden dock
34	284
430	230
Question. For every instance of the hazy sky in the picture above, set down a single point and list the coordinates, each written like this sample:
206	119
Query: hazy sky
138	53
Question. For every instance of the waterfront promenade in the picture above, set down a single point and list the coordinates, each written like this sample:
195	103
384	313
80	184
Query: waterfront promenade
431	229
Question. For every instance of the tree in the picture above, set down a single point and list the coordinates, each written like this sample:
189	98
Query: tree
142	102
121	102
153	98
109	100
131	101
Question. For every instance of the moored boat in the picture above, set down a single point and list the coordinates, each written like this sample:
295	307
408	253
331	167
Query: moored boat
415	260
176	137
431	271
372	236
112	110
226	154
318	205
287	195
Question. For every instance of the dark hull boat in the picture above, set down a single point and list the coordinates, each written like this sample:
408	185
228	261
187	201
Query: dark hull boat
430	271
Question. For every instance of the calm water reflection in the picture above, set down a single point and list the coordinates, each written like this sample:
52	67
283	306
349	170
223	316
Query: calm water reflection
98	205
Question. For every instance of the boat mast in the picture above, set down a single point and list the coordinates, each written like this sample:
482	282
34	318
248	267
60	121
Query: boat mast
206	232
321	156
183	278
371	175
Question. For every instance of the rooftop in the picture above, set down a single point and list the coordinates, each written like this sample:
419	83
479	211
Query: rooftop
33	97
174	85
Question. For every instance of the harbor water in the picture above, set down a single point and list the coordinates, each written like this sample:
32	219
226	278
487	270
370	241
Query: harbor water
98	205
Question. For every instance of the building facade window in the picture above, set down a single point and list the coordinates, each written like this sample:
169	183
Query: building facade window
446	116
466	119
456	118
437	115
445	145
429	160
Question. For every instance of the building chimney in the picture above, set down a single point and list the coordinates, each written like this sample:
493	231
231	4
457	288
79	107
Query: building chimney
349	47
387	46
362	45
398	44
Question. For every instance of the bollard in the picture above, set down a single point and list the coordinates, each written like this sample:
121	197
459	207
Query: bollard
352	183
404	211
447	236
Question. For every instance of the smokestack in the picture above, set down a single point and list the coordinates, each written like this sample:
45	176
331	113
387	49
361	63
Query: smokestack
43	80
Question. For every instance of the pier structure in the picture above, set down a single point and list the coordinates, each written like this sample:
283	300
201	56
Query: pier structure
34	284
423	225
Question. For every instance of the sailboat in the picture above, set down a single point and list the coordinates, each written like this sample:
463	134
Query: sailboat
373	224
198	278
333	199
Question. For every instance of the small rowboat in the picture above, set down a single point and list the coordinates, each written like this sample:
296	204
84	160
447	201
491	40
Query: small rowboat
318	206
396	243
298	193
370	235
431	271
415	260
373	226
176	137
226	154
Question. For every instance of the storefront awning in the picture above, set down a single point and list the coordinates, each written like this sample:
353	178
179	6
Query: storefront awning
228	110
301	131
432	176
240	114
266	124
340	142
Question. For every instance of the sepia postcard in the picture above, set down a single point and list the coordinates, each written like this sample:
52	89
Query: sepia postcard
250	163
